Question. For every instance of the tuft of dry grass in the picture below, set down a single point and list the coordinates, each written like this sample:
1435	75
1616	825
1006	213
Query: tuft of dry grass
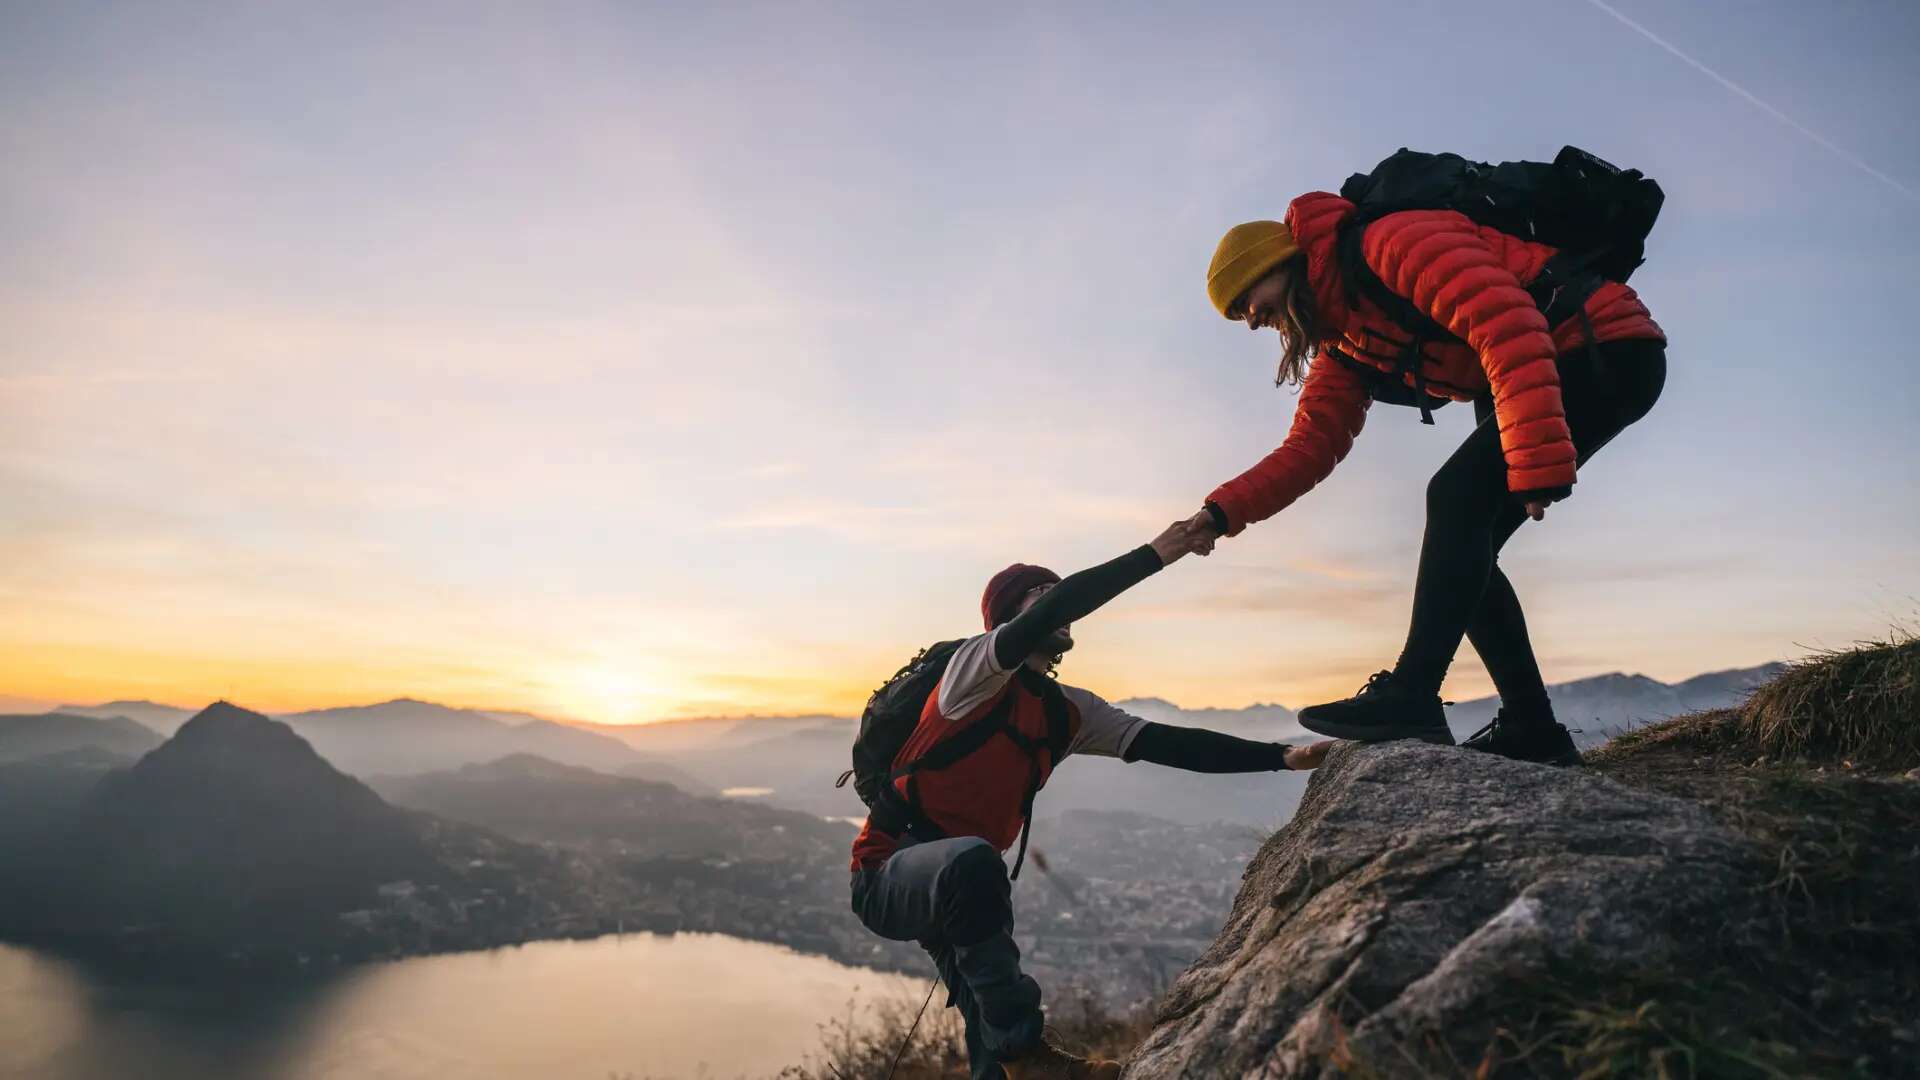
1858	708
875	1044
1704	732
885	1043
1859	705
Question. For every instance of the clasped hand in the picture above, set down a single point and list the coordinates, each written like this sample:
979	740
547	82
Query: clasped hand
1194	536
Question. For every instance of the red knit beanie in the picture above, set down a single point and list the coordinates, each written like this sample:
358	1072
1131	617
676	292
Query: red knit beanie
1008	588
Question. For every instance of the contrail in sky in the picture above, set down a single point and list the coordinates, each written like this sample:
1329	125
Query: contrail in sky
1796	125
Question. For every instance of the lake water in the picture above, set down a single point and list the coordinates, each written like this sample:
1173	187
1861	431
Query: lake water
636	1005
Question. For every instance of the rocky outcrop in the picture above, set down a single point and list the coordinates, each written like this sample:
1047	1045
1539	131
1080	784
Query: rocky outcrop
1418	890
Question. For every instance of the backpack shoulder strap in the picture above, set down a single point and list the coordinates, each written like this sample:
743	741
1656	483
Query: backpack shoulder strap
964	742
902	809
1059	715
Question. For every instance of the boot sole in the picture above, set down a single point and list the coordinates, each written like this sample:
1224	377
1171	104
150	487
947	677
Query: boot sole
1374	733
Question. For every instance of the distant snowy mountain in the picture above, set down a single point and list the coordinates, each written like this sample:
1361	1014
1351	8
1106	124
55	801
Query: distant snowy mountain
1603	706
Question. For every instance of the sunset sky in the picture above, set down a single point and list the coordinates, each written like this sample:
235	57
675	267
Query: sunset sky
627	362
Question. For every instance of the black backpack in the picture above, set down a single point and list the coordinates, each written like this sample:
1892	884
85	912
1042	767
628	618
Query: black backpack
889	720
1596	214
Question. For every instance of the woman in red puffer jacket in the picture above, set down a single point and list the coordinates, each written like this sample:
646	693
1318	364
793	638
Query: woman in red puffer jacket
1546	397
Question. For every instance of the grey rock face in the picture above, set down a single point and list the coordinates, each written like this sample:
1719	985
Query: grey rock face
1412	889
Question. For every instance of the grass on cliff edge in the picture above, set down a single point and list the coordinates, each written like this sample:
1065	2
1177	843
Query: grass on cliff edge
1810	770
1858	708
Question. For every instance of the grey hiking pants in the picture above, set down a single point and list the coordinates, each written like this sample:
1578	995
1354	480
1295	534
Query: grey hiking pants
953	897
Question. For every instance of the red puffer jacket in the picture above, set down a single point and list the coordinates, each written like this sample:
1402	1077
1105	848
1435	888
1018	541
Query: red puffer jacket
1469	279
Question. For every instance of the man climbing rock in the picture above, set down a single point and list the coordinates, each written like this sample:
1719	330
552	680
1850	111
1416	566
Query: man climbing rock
927	866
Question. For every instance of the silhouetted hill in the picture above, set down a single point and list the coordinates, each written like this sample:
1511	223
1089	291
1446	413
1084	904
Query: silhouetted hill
233	829
236	844
38	735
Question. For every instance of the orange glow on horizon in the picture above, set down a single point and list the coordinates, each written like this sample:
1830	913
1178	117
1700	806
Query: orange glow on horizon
50	676
602	694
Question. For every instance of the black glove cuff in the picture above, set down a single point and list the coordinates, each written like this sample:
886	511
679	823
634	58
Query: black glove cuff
1218	515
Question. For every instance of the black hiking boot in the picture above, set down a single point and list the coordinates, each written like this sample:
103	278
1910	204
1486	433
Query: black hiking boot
1383	710
1538	739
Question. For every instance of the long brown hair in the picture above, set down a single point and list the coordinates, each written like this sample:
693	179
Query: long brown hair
1299	323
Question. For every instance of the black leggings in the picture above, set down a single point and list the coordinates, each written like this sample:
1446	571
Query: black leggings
1470	516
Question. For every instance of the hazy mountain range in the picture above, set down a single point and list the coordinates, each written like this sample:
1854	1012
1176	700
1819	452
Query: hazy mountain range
406	736
165	719
38	734
792	761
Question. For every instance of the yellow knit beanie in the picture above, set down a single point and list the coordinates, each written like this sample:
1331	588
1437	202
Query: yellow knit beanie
1245	255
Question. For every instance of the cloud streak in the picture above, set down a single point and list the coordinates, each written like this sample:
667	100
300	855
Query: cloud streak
1751	98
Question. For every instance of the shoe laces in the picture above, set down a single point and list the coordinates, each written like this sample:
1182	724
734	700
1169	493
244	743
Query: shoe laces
1493	727
1377	683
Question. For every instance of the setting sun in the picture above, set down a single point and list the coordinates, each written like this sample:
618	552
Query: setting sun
609	695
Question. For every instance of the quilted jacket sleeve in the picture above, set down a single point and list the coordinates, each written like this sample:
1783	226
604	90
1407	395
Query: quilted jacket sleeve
1437	259
1333	405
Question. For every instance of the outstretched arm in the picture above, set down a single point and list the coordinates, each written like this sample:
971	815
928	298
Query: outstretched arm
1332	407
1079	595
1201	750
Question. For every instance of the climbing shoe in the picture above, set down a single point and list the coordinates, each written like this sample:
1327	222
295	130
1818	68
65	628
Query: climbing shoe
1383	710
1048	1062
1537	739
